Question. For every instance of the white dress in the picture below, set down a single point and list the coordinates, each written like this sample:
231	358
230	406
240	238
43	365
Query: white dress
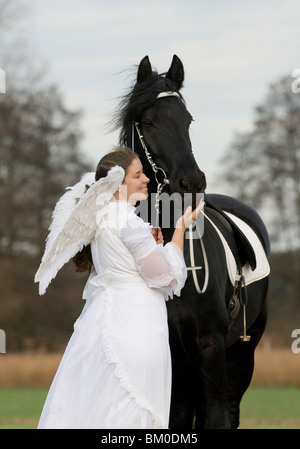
116	370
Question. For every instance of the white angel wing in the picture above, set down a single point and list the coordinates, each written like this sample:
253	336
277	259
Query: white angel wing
66	206
79	228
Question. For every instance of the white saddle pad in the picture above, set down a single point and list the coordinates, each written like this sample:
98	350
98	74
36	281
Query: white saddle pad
262	265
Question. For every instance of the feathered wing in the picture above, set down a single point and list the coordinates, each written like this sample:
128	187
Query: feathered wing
78	229
65	207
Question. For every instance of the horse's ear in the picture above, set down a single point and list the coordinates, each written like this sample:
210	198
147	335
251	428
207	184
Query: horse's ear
176	72
145	70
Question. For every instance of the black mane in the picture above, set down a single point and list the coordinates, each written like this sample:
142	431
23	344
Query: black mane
140	98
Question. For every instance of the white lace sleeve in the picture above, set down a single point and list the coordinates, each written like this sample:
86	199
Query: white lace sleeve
161	266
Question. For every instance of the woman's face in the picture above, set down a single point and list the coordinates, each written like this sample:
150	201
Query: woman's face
134	187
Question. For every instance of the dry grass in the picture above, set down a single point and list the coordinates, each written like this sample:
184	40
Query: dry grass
28	370
276	367
272	367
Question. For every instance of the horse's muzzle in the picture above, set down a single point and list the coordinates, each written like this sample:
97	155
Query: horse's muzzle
191	187
191	184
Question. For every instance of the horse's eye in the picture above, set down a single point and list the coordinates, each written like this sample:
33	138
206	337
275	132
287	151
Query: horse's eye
146	123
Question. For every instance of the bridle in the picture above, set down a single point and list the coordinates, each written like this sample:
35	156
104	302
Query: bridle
160	187
165	181
136	125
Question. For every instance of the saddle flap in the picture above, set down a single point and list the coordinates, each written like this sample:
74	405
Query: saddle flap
243	251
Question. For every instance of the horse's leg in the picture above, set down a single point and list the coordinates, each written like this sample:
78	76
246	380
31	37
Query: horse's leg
183	396
240	365
213	371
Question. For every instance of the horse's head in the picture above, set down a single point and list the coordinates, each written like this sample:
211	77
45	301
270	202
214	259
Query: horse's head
157	106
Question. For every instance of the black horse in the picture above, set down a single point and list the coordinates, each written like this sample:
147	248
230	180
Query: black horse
212	366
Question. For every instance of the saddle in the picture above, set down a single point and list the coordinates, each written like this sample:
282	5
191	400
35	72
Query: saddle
246	258
240	246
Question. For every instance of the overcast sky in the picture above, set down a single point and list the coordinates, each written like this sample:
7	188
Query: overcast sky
231	50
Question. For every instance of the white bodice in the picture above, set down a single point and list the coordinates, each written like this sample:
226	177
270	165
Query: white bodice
125	252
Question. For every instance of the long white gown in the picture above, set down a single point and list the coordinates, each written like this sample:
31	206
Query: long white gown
116	370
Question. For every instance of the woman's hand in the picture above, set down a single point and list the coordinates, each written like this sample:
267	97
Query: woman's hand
189	216
184	222
157	234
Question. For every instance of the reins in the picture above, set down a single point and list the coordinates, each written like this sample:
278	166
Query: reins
155	168
160	187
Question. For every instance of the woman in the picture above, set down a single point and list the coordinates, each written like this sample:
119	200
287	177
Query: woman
116	370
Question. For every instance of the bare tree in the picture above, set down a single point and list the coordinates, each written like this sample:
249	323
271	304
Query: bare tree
40	156
263	166
39	141
10	12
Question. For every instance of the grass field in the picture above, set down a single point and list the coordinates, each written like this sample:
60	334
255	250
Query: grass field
261	408
272	401
275	407
20	408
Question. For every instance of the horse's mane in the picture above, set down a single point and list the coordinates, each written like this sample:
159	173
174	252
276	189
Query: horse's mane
139	98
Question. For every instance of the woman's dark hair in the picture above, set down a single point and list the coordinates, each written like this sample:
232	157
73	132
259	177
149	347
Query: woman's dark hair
122	156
